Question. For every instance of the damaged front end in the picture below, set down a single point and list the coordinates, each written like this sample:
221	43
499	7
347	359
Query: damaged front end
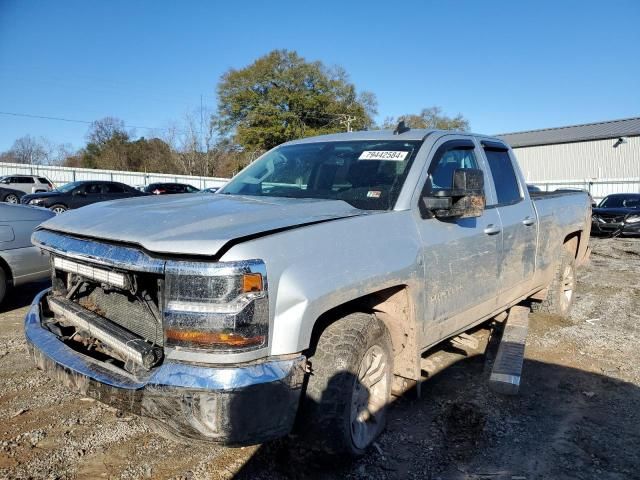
615	224
157	339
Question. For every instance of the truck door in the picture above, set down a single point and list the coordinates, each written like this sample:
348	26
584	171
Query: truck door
519	223
460	255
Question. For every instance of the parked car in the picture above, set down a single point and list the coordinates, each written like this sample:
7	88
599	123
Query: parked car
225	320
617	214
27	183
9	195
170	188
79	194
20	261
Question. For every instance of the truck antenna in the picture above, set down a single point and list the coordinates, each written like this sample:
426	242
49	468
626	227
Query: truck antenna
401	128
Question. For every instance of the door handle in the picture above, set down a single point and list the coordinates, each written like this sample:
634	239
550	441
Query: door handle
528	221
491	229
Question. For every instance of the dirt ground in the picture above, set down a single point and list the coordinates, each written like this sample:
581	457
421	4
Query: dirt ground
577	416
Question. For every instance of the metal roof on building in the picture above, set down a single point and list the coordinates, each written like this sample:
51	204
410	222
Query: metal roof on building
626	127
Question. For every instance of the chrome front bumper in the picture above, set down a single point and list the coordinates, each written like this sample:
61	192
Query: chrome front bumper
236	404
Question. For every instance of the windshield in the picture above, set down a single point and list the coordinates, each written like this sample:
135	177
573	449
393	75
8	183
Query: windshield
621	202
366	174
66	188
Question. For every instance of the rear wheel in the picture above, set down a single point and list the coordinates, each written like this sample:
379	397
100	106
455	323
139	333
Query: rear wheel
561	293
12	198
58	209
349	386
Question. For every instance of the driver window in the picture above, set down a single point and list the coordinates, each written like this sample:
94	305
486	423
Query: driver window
448	161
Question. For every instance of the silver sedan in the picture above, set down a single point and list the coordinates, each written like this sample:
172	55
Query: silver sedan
20	261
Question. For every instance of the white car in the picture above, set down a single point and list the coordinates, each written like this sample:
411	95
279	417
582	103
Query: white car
27	183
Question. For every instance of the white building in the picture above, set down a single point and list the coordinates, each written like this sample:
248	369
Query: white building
600	157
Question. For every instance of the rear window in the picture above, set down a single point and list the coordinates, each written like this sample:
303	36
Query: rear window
504	176
44	180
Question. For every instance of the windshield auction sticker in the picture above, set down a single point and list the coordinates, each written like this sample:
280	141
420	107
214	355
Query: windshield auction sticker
383	155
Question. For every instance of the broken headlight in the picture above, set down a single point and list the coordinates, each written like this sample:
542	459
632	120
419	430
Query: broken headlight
221	307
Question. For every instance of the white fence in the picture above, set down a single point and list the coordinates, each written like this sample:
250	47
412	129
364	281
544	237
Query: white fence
62	175
598	188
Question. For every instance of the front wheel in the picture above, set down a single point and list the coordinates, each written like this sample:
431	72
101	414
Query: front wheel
12	198
349	387
58	209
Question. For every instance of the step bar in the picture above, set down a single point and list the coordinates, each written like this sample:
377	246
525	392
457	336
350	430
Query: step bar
507	368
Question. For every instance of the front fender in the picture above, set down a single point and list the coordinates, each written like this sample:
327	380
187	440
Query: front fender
316	268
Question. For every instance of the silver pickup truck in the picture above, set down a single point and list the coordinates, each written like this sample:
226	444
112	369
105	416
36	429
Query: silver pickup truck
306	289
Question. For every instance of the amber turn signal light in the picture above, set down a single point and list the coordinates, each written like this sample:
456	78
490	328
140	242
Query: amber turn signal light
252	282
212	338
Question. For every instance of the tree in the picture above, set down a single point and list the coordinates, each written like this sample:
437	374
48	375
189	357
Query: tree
103	130
281	96
36	151
28	150
106	147
431	117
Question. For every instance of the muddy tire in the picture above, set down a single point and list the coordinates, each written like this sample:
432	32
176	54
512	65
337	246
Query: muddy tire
561	292
348	390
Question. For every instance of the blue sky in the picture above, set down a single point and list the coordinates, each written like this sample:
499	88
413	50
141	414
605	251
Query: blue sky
505	65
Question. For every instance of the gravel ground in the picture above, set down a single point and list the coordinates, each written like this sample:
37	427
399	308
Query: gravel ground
577	417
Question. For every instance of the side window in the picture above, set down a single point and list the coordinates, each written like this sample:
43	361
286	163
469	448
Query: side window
44	180
504	176
93	188
23	180
446	162
112	188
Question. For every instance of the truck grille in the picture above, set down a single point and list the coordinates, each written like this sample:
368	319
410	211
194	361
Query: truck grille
125	310
610	218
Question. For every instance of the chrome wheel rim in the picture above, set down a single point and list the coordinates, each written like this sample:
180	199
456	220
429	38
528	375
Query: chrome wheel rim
12	199
369	397
568	285
58	210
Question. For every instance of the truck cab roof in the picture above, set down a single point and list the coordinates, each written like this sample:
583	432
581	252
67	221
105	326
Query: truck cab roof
411	134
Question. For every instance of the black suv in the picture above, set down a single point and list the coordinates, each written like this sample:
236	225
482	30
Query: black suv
79	194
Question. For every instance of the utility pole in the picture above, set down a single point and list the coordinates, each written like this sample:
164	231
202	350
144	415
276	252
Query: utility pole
201	119
346	121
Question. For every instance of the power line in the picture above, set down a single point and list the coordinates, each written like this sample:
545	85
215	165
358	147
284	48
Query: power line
60	119
343	119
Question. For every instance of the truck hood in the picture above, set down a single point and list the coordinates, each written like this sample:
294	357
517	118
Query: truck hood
194	224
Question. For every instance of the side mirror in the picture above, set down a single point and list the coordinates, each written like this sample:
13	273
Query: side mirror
464	200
